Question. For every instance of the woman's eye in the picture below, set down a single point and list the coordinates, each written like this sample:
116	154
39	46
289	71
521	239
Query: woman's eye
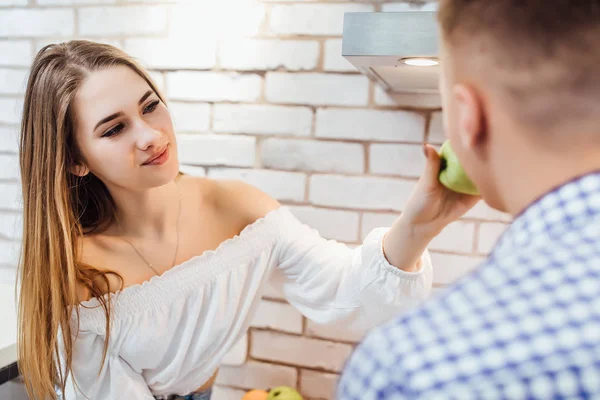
151	107
114	131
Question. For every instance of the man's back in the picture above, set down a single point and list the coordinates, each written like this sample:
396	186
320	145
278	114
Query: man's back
526	324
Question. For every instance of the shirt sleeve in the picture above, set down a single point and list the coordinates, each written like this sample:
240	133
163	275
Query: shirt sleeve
328	281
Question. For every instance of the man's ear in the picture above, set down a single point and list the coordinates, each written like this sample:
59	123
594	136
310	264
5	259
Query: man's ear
469	108
80	170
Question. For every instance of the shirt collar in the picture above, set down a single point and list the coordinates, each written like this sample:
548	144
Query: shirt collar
567	207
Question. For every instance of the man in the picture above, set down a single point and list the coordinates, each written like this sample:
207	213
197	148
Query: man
521	93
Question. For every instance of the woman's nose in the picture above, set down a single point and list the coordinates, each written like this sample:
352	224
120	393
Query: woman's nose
147	136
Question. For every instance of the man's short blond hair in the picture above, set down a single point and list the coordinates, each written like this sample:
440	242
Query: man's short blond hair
542	55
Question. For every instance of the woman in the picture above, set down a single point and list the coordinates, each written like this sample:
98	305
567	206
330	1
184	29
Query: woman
135	280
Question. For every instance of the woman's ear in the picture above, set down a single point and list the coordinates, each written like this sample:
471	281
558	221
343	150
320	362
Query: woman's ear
80	170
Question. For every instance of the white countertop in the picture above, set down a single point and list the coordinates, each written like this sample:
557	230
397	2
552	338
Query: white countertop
8	328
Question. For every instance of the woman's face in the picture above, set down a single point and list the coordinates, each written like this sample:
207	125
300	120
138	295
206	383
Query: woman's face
121	127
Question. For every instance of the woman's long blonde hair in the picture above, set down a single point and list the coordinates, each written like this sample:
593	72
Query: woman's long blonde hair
58	209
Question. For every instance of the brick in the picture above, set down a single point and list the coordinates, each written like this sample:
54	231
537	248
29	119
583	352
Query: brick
312	155
215	150
126	20
13	81
257	375
9	166
489	233
413	100
371	221
312	19
11	225
318	385
209	22
11	198
15	53
334	61
213	86
436	129
238	354
393	126
9	138
69	2
270	54
448	268
262	120
317	89
9	252
278	316
170	54
335	332
225	393
11	110
37	23
283	186
456	237
331	224
298	350
484	212
397	159
359	192
273	290
190	117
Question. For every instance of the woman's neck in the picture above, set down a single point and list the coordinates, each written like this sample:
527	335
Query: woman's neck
149	214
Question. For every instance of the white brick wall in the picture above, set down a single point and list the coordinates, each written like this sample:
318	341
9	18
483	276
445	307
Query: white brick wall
392	126
130	20
284	186
13	81
166	54
37	23
236	151
259	91
359	192
262	119
312	155
317	89
213	86
312	19
190	117
278	316
269	54
15	52
319	385
299	351
331	224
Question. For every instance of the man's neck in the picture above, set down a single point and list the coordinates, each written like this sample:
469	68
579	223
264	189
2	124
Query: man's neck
544	174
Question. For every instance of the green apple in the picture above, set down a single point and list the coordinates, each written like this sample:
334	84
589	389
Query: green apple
452	175
284	393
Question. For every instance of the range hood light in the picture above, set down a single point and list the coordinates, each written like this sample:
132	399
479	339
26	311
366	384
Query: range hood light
420	61
397	50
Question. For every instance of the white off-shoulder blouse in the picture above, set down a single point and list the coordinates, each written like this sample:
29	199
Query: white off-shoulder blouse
170	333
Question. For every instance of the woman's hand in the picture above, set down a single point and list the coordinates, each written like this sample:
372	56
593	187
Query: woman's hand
430	207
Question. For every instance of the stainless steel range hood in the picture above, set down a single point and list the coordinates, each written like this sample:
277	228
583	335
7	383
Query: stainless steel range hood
376	44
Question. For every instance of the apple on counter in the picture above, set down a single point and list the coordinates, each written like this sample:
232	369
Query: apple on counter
452	175
278	393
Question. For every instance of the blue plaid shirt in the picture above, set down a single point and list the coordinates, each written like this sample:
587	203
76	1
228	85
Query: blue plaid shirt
525	325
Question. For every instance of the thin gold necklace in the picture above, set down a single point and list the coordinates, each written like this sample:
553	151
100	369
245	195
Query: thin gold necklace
176	245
